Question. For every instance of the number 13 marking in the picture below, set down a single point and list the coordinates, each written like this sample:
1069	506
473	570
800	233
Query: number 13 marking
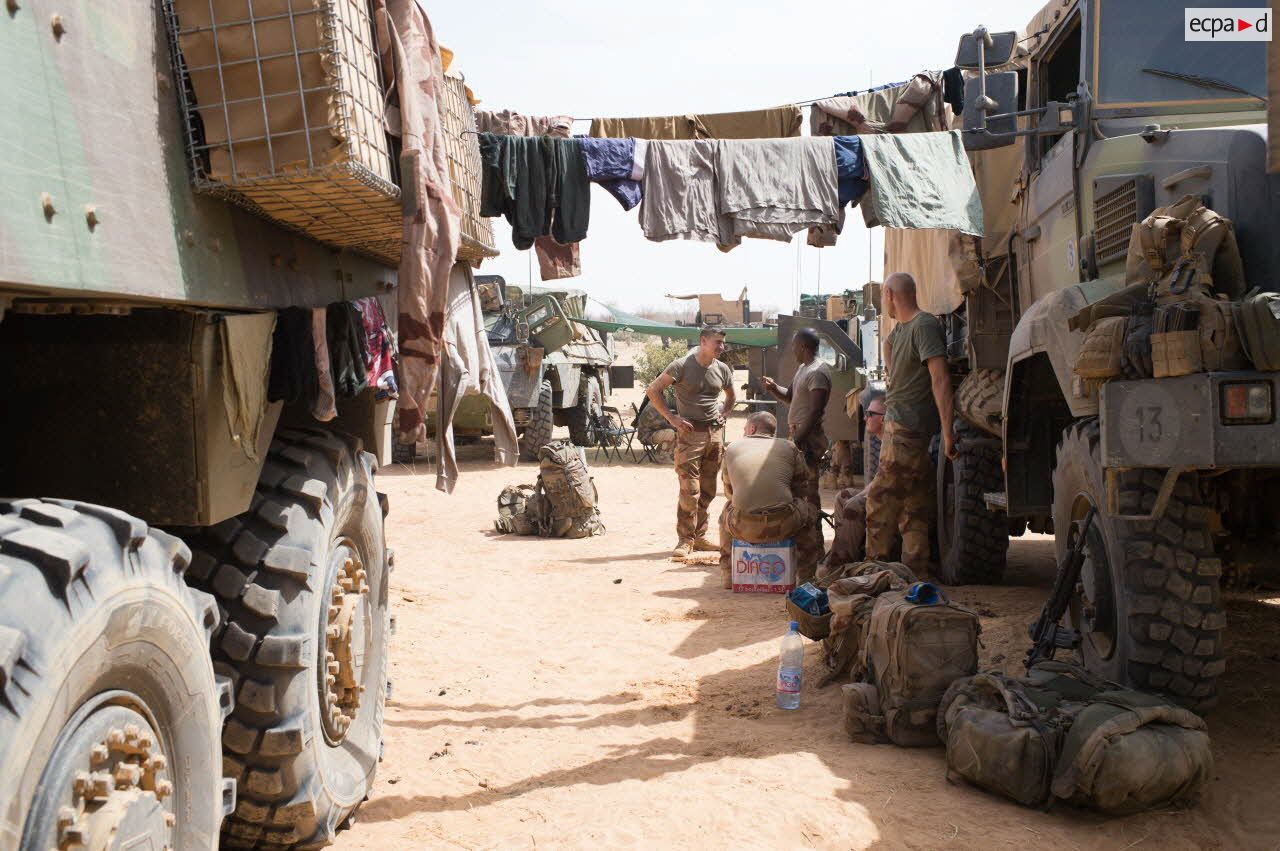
1150	428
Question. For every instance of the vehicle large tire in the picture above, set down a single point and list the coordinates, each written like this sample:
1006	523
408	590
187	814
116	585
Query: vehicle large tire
1150	611
537	433
973	541
980	400
582	428
302	578
105	672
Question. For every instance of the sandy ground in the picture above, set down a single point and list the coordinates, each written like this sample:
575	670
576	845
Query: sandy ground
593	694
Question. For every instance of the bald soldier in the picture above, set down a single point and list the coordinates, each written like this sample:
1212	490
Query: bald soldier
917	404
698	378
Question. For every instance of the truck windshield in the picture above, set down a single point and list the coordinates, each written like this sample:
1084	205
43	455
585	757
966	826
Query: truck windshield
1150	34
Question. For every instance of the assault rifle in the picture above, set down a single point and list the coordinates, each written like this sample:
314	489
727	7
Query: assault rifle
1047	634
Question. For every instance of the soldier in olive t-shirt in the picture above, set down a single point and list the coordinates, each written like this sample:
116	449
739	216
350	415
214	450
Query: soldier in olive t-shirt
698	379
917	404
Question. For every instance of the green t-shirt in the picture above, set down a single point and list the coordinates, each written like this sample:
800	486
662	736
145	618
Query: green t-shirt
909	393
698	388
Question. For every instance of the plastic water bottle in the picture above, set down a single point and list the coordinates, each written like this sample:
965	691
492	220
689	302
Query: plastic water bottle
790	666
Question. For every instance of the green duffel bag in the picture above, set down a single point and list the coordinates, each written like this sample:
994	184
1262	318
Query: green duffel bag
1129	752
1002	736
1257	318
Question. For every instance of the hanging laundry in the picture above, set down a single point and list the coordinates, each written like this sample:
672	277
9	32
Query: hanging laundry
915	106
379	347
539	184
293	361
851	172
431	220
953	89
346	349
611	162
775	123
509	123
325	406
921	180
556	261
467	365
775	188
680	193
850	169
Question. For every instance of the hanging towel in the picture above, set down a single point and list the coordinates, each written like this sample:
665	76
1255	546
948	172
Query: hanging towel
347	350
539	184
379	347
774	188
921	180
293	359
325	406
468	366
775	123
611	162
680	193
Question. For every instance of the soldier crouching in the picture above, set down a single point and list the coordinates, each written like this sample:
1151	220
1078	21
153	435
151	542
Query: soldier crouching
766	481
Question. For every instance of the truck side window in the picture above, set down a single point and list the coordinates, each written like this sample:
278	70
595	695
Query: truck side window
1059	77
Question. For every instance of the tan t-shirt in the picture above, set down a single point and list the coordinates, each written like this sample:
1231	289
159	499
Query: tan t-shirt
810	377
760	471
698	388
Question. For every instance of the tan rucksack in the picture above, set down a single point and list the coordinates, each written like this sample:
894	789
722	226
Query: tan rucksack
569	490
514	517
851	594
912	654
1183	249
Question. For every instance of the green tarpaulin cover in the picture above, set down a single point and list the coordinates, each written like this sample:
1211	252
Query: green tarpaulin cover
623	321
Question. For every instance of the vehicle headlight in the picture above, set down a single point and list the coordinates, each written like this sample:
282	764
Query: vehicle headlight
1247	403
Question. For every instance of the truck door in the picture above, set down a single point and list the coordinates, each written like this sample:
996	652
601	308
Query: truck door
1047	256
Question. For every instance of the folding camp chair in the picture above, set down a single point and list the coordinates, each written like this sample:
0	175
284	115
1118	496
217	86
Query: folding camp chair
613	438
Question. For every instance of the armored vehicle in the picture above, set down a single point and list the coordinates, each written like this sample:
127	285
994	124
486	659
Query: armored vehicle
556	371
193	571
1080	127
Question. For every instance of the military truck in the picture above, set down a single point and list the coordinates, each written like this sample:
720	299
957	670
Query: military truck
555	371
1080	127
193	579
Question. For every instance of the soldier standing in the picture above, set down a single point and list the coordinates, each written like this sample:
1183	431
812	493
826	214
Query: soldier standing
917	403
807	400
698	379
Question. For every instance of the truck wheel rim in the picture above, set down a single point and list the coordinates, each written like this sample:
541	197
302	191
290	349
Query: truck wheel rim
106	785
1093	606
346	635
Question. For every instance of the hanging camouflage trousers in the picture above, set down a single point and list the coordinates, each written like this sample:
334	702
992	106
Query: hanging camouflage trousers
797	522
900	498
698	457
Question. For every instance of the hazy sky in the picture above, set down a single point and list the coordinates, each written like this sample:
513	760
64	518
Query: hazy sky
661	57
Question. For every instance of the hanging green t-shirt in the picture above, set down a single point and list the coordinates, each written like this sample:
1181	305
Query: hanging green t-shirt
909	393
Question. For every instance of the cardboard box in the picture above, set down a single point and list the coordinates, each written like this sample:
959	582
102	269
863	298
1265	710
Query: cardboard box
763	568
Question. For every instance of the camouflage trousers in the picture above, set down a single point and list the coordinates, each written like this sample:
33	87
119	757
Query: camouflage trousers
797	521
851	528
698	457
813	448
900	498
